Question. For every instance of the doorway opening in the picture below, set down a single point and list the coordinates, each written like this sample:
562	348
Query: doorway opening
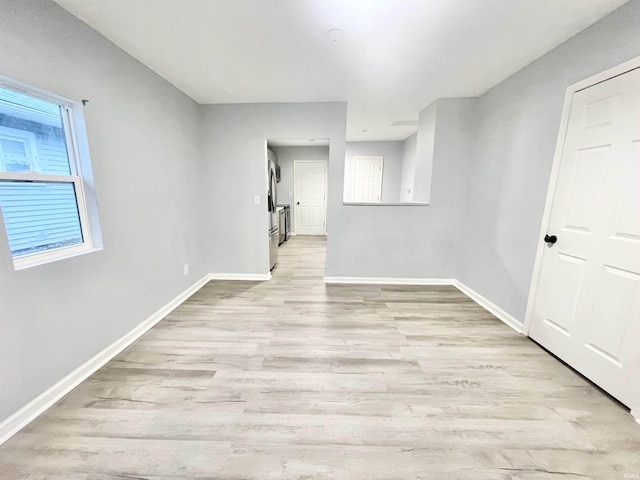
300	191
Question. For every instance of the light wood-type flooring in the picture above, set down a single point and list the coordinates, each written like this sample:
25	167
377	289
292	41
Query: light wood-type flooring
294	379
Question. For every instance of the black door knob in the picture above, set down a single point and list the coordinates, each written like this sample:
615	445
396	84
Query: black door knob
297	203
550	239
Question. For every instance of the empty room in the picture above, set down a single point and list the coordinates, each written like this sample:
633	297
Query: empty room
320	239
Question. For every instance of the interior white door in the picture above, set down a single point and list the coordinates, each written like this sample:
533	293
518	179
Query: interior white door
586	307
367	178
309	197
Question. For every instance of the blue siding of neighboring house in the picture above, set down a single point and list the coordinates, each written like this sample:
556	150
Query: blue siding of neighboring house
38	216
52	155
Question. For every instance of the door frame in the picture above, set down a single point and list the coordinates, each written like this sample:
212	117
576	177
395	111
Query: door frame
555	169
326	185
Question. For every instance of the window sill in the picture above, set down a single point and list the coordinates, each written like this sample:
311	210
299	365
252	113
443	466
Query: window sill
36	259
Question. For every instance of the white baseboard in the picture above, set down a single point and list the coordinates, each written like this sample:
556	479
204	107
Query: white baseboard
16	422
490	306
252	277
389	281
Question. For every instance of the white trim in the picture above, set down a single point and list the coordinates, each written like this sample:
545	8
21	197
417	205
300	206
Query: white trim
252	277
388	281
30	90
85	171
16	422
564	124
488	305
53	255
38	177
75	164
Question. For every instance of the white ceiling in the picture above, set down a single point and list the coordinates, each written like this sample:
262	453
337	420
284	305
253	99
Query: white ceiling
394	58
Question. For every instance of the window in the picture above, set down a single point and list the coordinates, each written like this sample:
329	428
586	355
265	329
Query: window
17	151
46	191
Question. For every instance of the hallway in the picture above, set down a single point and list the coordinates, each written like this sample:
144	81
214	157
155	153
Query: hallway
293	379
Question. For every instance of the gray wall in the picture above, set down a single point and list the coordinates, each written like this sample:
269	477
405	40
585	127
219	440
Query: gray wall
286	157
409	154
144	146
407	241
236	230
423	179
515	136
391	152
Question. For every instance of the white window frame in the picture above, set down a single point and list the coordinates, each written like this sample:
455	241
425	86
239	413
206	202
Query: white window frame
81	177
28	139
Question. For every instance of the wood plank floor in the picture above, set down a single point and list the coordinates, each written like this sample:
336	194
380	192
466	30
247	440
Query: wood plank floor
293	379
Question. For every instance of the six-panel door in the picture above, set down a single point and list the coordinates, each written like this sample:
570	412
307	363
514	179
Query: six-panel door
587	303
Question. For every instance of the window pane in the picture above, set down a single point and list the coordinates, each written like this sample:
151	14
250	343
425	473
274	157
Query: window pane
32	135
15	155
40	216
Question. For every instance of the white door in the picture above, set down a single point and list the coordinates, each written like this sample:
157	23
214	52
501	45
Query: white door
586	307
309	197
367	178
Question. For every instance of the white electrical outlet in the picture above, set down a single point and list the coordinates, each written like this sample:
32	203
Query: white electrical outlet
186	269
256	199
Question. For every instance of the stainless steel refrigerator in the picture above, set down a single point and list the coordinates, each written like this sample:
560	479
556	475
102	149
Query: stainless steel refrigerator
272	203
